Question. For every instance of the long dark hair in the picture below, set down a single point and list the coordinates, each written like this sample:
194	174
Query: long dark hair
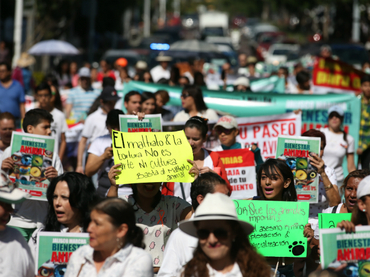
82	197
197	95
198	122
121	212
52	81
274	166
251	263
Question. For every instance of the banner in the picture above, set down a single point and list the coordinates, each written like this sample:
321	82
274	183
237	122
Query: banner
54	250
243	104
241	172
337	247
264	131
331	220
295	151
278	226
152	157
32	155
335	76
131	123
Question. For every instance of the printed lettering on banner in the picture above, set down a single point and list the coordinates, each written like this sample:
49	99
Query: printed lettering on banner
278	226
54	250
131	123
146	157
241	172
353	249
295	151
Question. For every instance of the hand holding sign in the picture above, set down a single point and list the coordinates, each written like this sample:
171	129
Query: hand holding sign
152	157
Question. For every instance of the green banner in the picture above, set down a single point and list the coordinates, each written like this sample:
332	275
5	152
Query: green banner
246	104
295	151
32	155
331	220
54	250
278	226
131	123
353	249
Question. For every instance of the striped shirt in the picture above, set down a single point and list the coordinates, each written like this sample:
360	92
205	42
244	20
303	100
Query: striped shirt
81	101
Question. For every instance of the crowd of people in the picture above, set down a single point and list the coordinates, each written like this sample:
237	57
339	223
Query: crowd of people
162	229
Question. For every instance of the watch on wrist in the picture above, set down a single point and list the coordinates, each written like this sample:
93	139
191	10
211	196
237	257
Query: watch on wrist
328	187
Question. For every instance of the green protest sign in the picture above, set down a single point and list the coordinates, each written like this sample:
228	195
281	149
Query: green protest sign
131	123
338	247
54	250
278	226
331	220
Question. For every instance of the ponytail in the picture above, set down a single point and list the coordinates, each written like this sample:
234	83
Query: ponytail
136	237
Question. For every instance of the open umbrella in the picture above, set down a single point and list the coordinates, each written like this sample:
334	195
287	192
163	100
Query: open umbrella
194	45
53	47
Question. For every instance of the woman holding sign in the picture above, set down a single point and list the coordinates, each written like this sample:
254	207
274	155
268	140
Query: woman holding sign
115	244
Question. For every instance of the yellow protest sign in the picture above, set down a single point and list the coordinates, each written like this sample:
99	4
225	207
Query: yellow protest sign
152	157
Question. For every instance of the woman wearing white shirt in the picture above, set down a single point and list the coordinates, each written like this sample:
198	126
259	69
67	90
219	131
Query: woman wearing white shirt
339	144
115	244
193	103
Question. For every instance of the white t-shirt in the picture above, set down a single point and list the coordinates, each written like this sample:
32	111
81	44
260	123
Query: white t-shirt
31	213
183	116
187	186
158	224
15	255
59	125
322	204
336	149
179	250
235	272
94	126
128	262
158	73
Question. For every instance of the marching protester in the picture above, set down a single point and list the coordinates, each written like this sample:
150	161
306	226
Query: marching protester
132	102
180	246
148	102
115	247
7	126
162	97
31	214
196	129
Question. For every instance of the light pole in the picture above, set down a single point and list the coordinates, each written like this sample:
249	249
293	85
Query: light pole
17	31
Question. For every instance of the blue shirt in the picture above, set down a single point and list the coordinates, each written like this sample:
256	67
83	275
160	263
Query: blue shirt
81	101
11	98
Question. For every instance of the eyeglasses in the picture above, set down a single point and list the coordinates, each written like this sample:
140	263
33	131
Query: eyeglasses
219	131
220	234
183	95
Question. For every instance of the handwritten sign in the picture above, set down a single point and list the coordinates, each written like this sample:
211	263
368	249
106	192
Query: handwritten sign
278	226
331	220
54	250
152	157
337	248
241	172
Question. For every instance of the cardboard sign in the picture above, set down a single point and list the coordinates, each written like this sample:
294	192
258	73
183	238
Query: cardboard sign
32	155
278	226
54	250
337	248
152	157
331	220
131	123
295	151
241	172
335	76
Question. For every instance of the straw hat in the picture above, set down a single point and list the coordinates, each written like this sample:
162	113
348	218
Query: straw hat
215	206
163	58
26	60
9	193
243	81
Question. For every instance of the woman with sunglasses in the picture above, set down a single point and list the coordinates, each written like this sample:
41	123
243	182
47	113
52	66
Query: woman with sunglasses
193	103
223	248
339	144
196	129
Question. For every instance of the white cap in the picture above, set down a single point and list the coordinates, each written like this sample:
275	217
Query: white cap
244	81
363	187
227	121
337	109
84	72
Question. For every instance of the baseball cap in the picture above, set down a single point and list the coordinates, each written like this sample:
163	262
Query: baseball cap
244	81
363	187
109	94
9	193
227	121
84	72
337	109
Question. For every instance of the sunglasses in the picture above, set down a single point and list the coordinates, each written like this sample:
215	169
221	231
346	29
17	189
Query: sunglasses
219	131
332	114
183	95
220	234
